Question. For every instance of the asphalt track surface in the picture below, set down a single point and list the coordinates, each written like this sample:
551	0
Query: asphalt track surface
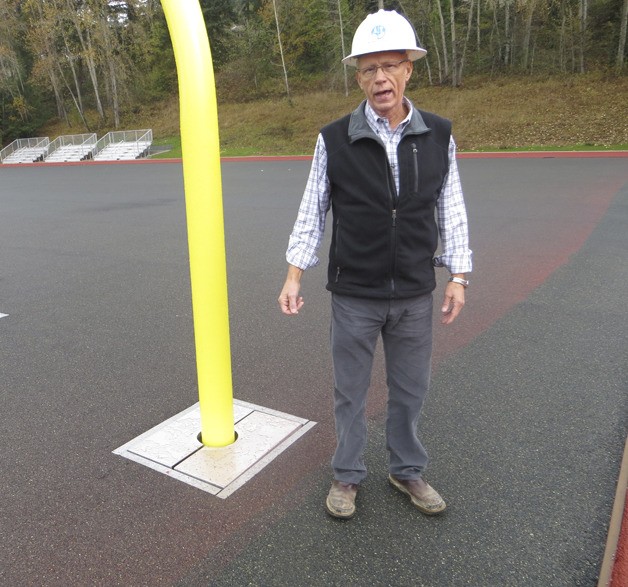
525	423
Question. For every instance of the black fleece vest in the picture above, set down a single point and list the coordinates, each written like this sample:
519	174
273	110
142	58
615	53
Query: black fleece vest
383	243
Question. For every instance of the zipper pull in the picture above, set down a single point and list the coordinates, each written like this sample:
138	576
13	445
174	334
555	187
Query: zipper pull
394	217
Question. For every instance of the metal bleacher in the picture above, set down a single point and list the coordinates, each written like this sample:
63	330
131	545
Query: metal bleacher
114	146
25	150
71	148
123	145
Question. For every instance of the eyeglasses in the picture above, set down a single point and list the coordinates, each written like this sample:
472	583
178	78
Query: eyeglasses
388	68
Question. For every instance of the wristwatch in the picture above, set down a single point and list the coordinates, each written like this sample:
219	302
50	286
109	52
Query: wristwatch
462	282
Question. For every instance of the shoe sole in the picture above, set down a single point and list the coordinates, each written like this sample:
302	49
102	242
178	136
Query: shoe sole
421	508
334	514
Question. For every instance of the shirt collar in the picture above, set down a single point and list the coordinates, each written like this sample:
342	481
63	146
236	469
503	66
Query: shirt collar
375	120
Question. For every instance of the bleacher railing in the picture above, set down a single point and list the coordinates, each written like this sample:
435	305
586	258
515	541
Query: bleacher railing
37	144
140	139
85	145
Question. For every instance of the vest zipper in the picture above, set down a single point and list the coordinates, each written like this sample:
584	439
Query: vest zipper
394	252
392	190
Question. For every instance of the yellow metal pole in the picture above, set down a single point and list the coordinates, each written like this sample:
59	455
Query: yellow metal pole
205	222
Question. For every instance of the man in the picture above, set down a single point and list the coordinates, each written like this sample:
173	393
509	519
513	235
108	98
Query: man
384	170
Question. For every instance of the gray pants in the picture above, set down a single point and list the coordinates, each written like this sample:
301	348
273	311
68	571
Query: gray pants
406	330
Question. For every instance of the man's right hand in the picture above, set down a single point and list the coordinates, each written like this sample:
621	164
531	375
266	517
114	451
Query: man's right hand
290	302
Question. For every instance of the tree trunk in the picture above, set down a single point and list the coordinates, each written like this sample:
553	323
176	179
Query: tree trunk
527	34
429	72
61	111
478	45
115	101
507	34
495	40
621	47
342	48
93	76
77	86
440	65
283	62
114	68
562	52
584	9
443	41
573	44
454	49
466	43
88	53
78	106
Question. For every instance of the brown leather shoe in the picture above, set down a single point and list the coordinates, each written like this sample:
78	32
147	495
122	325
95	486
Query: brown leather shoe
341	500
423	496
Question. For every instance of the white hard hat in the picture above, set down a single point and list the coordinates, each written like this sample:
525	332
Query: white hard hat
386	30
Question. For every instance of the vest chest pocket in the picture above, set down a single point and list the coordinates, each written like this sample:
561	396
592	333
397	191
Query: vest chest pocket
426	166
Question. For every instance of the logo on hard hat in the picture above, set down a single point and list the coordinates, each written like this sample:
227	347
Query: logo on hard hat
378	31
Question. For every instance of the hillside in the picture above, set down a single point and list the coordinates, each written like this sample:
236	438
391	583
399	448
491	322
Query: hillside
503	113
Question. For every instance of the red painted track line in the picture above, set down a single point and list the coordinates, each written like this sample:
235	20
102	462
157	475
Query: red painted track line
543	155
262	158
74	163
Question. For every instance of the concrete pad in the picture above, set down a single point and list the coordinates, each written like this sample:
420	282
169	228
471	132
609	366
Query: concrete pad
173	447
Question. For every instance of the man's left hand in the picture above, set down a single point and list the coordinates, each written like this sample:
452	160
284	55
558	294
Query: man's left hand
453	302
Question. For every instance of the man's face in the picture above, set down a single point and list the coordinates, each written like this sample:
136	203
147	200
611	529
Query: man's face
384	90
